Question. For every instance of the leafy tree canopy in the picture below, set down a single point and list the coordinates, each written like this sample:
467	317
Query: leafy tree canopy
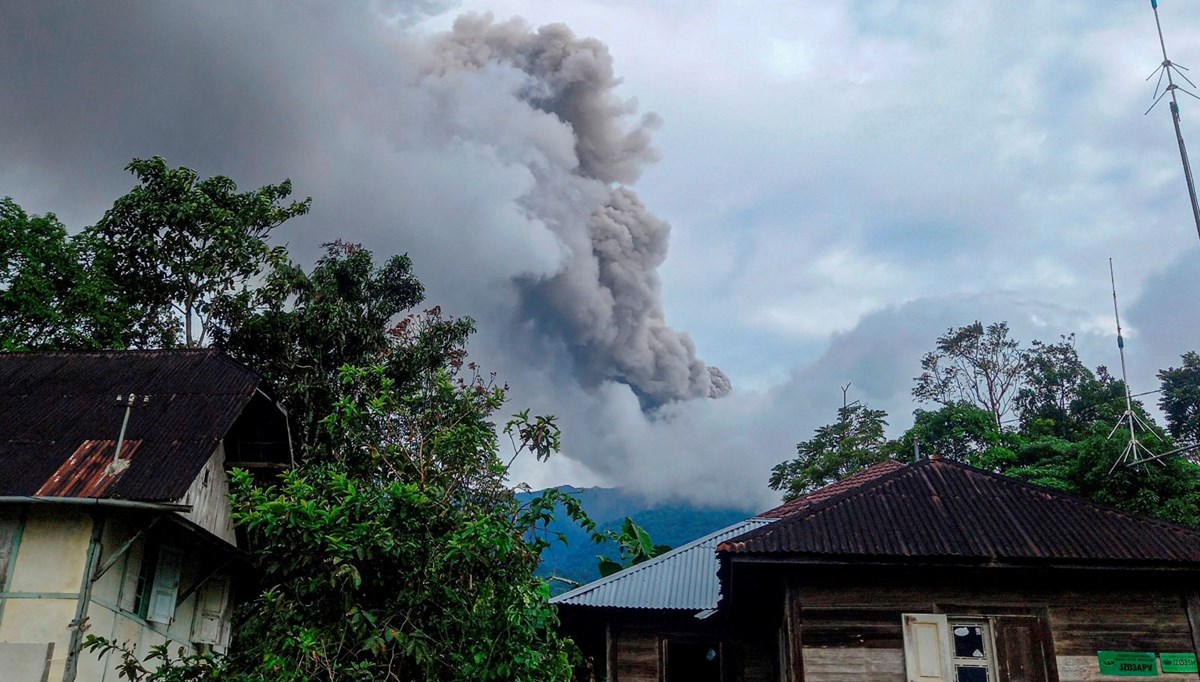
1180	399
1063	435
182	249
395	550
852	443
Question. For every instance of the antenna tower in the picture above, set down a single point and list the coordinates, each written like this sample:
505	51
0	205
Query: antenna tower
1134	452
1171	69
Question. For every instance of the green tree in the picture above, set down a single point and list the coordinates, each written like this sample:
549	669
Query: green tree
958	431
49	296
852	443
1056	380
298	329
975	364
181	250
1180	399
402	555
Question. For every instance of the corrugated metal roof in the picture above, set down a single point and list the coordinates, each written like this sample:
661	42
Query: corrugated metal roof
684	578
937	509
821	494
56	408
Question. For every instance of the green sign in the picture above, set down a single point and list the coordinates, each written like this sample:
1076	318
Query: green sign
1178	663
1128	663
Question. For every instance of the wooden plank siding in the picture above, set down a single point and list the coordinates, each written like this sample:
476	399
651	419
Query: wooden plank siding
854	633
638	656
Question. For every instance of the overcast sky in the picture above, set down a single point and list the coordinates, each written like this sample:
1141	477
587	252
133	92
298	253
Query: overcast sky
628	195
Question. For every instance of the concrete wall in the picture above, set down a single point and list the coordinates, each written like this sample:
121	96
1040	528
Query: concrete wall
43	555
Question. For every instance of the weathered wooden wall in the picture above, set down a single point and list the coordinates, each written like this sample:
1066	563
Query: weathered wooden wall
854	633
208	496
638	656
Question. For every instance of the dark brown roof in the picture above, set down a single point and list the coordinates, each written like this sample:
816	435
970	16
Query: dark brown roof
836	488
59	420
942	510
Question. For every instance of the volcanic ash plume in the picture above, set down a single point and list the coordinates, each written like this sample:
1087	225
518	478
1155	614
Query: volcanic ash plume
605	300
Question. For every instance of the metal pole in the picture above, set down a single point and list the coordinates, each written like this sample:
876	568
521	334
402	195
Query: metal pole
1168	66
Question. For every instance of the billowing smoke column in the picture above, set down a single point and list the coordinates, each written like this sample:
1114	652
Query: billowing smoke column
606	298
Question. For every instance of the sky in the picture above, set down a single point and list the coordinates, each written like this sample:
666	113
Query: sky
681	227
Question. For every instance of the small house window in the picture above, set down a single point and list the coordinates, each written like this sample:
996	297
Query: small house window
158	583
973	659
692	661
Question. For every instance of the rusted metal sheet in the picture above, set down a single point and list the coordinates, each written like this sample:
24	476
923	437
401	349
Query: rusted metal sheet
87	472
832	490
53	404
937	509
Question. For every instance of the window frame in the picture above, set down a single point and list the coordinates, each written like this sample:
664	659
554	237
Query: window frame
988	662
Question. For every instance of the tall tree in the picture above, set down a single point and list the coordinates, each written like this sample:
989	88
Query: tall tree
181	248
975	364
852	443
958	431
1055	381
299	329
51	297
1180	399
401	554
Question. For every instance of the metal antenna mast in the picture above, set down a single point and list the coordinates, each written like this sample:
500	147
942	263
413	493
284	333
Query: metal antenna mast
1134	452
1171	69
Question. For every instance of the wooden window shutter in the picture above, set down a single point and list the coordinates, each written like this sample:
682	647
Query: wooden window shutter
208	627
166	585
926	647
1021	650
129	580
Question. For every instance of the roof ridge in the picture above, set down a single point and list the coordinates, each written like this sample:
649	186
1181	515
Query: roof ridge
822	505
846	484
650	563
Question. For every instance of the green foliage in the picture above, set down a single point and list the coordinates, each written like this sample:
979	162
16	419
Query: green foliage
402	555
298	329
1180	399
395	551
959	431
183	250
1064	436
1056	381
50	297
635	545
849	445
159	665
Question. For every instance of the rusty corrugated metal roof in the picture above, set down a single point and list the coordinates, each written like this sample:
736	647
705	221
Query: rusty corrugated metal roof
59	420
821	494
937	509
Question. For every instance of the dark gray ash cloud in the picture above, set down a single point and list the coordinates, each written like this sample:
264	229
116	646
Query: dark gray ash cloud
498	154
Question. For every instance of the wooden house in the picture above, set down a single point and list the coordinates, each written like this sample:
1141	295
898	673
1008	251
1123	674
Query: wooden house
657	620
940	572
114	508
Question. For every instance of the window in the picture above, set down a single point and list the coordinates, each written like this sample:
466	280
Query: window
692	661
938	648
158	583
972	652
